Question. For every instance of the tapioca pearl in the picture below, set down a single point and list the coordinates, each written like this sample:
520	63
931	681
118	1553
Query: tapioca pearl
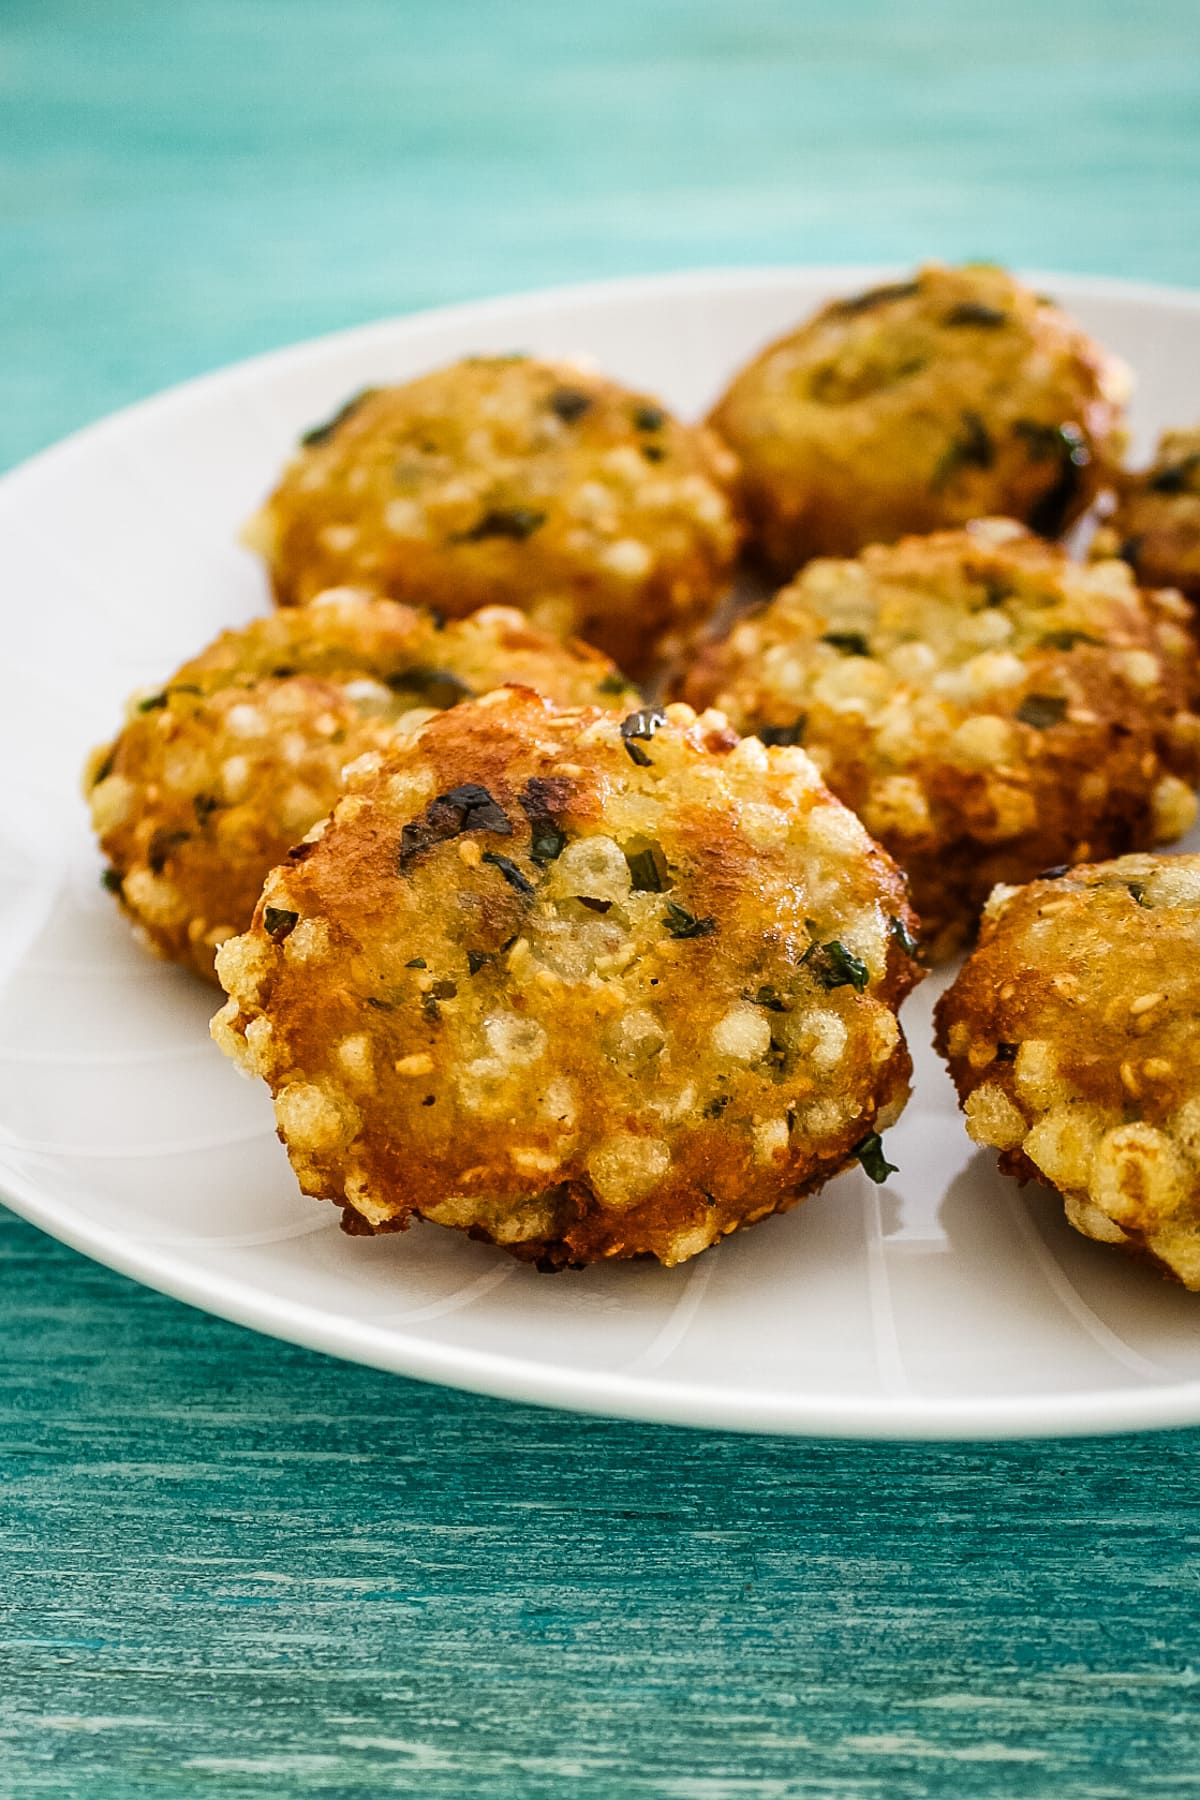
992	1118
112	802
356	1058
359	1194
770	1139
309	941
593	868
1062	1144
558	1103
245	721
628	558
1139	667
686	1244
258	1036
743	1034
884	1033
516	1041
313	1117
1174	809
911	661
897	804
223	1029
625	1169
409	790
1137	1176
821	1038
235	779
1035	1073
766	827
158	900
1087	1218
299	806
993	671
634	1039
981	742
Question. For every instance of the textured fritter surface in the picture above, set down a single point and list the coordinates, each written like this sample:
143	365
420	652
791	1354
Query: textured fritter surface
583	987
986	705
1156	526
935	400
1071	1037
514	481
242	750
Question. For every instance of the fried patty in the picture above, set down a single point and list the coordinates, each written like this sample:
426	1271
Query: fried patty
987	706
934	400
1156	526
581	986
217	773
1071	1037
508	480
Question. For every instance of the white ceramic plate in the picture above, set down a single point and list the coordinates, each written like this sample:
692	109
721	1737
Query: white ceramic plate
946	1304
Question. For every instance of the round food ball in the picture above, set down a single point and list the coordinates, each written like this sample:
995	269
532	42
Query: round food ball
985	704
508	480
216	774
1071	1038
581	986
918	405
1156	526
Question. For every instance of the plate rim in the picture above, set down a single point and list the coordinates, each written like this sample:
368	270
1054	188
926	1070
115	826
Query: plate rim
646	1399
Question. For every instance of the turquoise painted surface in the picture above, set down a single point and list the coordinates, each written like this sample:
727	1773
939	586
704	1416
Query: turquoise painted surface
230	1567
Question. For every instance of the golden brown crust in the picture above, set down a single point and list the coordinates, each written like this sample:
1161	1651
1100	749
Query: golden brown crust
986	705
923	404
1156	526
586	989
507	480
1071	1037
217	774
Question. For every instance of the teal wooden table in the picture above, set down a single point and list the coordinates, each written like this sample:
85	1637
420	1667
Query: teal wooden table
231	1567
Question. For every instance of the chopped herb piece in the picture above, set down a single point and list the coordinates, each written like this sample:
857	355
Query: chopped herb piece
106	768
974	312
592	904
510	872
877	296
282	672
1138	891
1176	478
279	923
1056	873
642	724
869	1152
1006	1052
152	702
437	687
502	521
654	453
539	801
466	808
570	404
321	434
445	989
683	924
648	869
1042	711
1067	640
379	1004
301	852
971	449
204	805
995	593
612	684
547	843
850	643
716	1107
649	418
476	960
162	846
834	966
112	880
416	962
783	734
903	936
772	1000
1067	446
185	687
1130	550
437	617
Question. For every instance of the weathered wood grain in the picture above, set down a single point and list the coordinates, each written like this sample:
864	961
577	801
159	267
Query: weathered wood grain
231	1567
